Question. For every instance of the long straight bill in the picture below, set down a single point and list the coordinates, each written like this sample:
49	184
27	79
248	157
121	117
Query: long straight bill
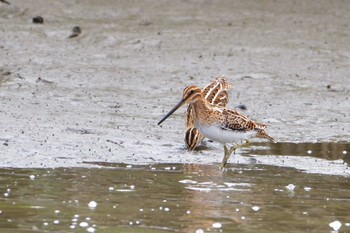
172	111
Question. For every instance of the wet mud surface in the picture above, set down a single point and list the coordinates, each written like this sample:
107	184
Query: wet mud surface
79	112
99	95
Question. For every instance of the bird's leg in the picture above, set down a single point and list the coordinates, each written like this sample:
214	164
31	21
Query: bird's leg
246	144
227	155
233	149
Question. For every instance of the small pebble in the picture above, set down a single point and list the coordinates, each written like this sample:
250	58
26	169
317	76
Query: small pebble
38	19
57	211
110	188
56	222
335	225
256	208
32	177
309	151
75	32
199	231
307	189
4	1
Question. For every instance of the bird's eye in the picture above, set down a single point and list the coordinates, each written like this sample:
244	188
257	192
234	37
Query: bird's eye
192	92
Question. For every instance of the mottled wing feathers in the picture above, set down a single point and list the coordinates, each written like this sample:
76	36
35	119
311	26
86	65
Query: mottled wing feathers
216	93
237	121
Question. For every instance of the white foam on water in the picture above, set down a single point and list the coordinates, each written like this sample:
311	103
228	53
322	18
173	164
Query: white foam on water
92	204
335	225
290	187
217	225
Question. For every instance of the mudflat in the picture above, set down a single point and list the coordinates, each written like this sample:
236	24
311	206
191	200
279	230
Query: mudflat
98	95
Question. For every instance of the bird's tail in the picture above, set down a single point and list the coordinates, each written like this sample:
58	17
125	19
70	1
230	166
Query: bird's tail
262	134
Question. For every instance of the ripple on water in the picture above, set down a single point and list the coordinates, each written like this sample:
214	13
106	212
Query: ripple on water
210	186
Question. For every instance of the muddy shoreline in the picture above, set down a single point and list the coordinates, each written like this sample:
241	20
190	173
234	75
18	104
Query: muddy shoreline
98	96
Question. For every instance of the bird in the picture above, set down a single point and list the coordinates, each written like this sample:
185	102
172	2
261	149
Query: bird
220	124
216	93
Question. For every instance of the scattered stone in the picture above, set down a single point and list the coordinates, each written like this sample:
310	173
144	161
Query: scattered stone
38	19
4	1
242	107
43	81
76	32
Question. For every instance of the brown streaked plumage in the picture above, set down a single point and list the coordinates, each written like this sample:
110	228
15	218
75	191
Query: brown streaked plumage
219	124
216	93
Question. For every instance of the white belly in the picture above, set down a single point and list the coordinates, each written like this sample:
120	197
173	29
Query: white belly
218	134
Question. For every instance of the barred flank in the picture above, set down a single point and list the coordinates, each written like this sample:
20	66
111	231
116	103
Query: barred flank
192	138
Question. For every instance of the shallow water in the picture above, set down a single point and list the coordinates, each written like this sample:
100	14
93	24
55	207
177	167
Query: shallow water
246	197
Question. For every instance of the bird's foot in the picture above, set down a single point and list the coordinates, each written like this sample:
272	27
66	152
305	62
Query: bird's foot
227	155
232	149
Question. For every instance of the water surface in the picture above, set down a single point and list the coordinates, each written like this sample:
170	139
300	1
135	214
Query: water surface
246	197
